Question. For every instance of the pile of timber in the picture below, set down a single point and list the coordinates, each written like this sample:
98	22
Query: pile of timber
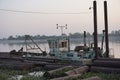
51	63
10	60
15	64
46	65
18	63
47	59
46	62
93	78
69	75
7	59
106	65
53	73
43	59
4	55
79	70
52	66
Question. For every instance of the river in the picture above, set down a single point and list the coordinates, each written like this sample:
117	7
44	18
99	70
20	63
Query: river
8	45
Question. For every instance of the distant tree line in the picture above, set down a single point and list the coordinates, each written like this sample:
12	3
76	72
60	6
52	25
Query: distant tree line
115	33
71	35
23	37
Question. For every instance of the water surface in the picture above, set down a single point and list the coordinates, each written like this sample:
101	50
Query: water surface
8	45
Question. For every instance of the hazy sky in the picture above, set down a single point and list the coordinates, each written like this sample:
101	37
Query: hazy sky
18	23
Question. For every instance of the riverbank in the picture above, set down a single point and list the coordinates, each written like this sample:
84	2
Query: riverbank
8	74
72	72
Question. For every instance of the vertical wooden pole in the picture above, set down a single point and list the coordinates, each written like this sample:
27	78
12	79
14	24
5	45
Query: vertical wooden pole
106	28
95	28
84	38
68	44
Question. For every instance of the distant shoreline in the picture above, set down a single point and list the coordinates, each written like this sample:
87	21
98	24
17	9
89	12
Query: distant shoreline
111	38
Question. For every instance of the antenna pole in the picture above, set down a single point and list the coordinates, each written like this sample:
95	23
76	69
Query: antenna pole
62	27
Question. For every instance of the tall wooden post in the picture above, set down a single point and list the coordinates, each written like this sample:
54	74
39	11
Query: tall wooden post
95	28
106	28
84	38
68	44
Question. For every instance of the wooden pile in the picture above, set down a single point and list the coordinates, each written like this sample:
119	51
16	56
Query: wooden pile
15	64
4	54
106	65
51	73
93	78
69	74
18	63
49	67
79	70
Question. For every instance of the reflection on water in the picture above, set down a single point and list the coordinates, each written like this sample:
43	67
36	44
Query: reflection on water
8	45
115	48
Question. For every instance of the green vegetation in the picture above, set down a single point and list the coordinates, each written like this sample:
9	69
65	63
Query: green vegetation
33	78
103	76
5	74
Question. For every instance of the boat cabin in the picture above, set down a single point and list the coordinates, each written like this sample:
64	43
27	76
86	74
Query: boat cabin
60	48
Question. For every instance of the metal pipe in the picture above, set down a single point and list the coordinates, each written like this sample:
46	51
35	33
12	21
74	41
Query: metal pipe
106	28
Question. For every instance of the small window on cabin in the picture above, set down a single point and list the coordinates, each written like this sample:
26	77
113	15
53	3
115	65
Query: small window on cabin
63	44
